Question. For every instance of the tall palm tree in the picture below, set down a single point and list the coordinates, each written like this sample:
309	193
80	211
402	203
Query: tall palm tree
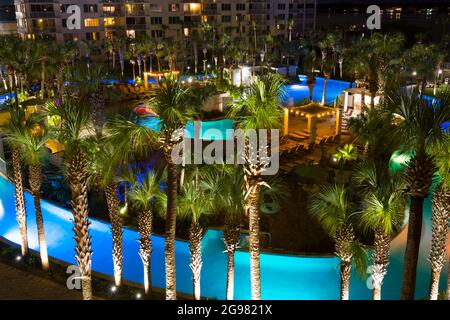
257	108
142	195
173	103
383	209
72	132
439	219
103	166
333	209
17	126
421	129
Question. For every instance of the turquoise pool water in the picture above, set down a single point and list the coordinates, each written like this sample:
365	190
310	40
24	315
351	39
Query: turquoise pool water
283	276
209	130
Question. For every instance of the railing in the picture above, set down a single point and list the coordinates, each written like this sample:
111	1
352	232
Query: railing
136	13
42	14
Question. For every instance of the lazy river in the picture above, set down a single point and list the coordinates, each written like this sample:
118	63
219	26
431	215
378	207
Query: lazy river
283	276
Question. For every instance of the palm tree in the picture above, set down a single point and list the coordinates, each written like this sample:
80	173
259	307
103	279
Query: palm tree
257	108
142	195
173	103
383	209
72	133
420	129
17	126
344	155
439	219
103	166
225	184
193	205
332	208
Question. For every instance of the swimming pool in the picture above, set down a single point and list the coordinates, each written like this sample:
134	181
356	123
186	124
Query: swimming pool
297	92
283	276
209	130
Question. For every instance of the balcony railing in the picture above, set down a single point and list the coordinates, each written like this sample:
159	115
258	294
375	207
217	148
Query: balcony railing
136	26
41	14
135	13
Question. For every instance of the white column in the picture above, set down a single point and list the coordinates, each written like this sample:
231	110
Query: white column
346	101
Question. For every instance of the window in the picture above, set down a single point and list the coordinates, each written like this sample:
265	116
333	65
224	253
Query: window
240	6
131	34
156	20
68	37
174	7
109	9
226	18
281	6
155	7
89	23
157	33
174	20
41	8
92	36
90	8
109	22
226	6
139	20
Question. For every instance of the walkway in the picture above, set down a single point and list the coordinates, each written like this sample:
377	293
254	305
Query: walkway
20	285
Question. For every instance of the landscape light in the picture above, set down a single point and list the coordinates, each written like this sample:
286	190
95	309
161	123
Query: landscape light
18	258
138	295
113	289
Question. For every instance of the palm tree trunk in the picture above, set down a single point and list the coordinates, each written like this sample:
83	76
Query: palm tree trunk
345	279
35	185
116	231
42	79
412	248
21	214
231	239
439	219
448	280
171	216
195	248
381	260
145	224
324	93
343	239
83	251
253	216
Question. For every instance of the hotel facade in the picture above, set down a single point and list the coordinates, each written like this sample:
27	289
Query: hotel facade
103	19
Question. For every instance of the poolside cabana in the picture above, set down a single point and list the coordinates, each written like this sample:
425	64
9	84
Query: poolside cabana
353	99
312	112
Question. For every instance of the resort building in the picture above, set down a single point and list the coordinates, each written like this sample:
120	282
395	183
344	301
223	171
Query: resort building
7	20
177	19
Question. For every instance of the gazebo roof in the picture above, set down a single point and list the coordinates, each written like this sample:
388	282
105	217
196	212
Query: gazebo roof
315	109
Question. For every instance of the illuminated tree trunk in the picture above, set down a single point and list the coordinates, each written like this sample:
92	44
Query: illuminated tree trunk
439	220
21	214
195	248
343	239
231	239
171	216
380	259
35	185
83	252
145	223
116	231
254	246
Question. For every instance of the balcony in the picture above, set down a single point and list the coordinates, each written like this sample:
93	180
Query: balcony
135	13
116	13
136	27
43	14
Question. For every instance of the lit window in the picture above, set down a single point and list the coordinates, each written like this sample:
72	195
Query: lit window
110	21
131	34
91	23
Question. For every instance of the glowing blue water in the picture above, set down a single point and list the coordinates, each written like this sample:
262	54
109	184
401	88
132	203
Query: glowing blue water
283	276
298	92
209	130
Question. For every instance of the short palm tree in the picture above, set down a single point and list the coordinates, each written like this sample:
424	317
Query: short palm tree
142	196
226	186
384	205
193	204
33	150
334	211
421	129
174	103
344	155
257	108
103	166
73	132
